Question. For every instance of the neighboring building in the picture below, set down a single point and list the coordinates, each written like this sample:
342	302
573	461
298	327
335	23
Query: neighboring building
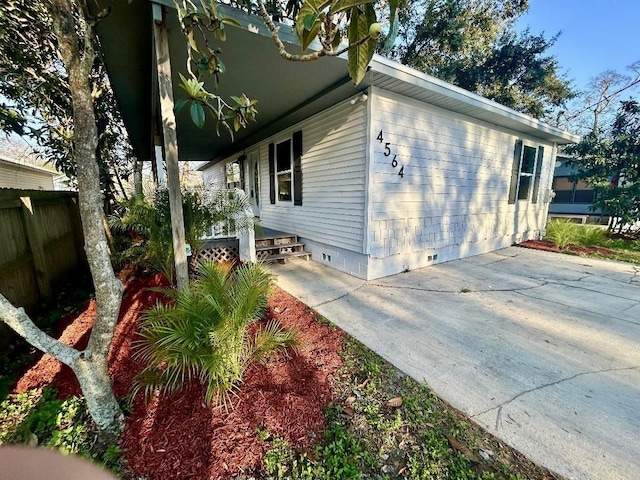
25	177
573	199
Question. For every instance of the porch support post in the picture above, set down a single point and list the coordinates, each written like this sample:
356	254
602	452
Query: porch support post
247	244
170	140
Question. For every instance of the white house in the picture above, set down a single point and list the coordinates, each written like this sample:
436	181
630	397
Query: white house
399	172
411	172
27	177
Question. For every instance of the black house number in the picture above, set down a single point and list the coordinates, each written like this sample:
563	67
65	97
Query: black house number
388	153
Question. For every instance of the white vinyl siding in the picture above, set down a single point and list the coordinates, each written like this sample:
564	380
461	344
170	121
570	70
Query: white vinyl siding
456	180
23	177
216	176
334	148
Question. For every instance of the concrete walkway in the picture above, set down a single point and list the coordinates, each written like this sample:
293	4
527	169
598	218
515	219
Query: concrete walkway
541	349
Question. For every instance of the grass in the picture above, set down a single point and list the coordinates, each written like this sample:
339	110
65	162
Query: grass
382	425
565	234
386	425
41	418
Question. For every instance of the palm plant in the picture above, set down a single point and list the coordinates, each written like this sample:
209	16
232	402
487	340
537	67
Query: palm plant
204	335
146	224
562	232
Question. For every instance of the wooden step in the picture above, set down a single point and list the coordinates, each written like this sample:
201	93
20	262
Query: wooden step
262	248
282	258
277	241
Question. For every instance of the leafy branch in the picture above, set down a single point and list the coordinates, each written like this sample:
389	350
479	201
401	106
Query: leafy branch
330	22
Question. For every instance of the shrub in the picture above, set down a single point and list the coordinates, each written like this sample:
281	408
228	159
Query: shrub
145	225
591	236
205	334
562	232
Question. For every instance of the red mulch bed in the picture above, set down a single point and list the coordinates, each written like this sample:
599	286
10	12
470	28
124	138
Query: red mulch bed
180	436
551	247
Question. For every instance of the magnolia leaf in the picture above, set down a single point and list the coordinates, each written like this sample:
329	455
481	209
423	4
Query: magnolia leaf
342	5
192	40
180	104
197	114
309	36
309	20
394	22
231	21
309	7
336	40
394	402
360	56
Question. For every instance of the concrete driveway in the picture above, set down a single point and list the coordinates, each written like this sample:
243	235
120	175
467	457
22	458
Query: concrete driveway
541	349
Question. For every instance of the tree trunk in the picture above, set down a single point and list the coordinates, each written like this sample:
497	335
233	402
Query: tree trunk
137	178
92	371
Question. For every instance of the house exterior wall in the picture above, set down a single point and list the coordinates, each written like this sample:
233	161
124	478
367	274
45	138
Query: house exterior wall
13	175
451	200
331	219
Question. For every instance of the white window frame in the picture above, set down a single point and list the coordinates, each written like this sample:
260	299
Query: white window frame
289	171
522	174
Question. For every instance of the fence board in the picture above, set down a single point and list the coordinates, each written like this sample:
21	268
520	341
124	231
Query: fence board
40	243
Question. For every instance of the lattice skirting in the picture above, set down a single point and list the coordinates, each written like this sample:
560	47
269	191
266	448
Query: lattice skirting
223	252
219	254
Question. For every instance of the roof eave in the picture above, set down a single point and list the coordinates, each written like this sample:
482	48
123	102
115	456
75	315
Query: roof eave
401	72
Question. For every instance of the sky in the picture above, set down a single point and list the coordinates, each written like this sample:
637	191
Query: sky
597	35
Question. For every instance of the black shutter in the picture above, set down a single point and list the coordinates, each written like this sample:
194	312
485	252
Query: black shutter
297	168
242	162
536	181
515	169
272	173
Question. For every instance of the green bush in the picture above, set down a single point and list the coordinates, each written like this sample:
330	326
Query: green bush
145	225
591	236
204	335
562	232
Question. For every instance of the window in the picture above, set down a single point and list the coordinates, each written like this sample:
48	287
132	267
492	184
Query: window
526	171
233	175
572	192
283	171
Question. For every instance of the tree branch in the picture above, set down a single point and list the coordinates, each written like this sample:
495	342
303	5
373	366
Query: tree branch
20	322
282	50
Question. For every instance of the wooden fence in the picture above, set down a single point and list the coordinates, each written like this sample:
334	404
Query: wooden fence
41	242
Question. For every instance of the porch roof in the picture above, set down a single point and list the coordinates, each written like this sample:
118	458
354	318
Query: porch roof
288	92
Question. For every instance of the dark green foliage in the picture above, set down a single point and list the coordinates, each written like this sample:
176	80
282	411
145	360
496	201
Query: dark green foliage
517	73
204	335
145	225
35	83
609	161
473	44
146	228
63	424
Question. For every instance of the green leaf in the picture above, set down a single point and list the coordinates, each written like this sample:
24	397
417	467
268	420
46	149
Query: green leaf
197	114
231	21
360	56
180	104
309	36
309	20
342	5
394	21
336	40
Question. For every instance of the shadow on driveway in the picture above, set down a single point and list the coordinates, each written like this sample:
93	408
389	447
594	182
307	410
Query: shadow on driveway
541	349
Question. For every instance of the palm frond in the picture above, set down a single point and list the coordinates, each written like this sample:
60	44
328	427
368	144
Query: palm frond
203	334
